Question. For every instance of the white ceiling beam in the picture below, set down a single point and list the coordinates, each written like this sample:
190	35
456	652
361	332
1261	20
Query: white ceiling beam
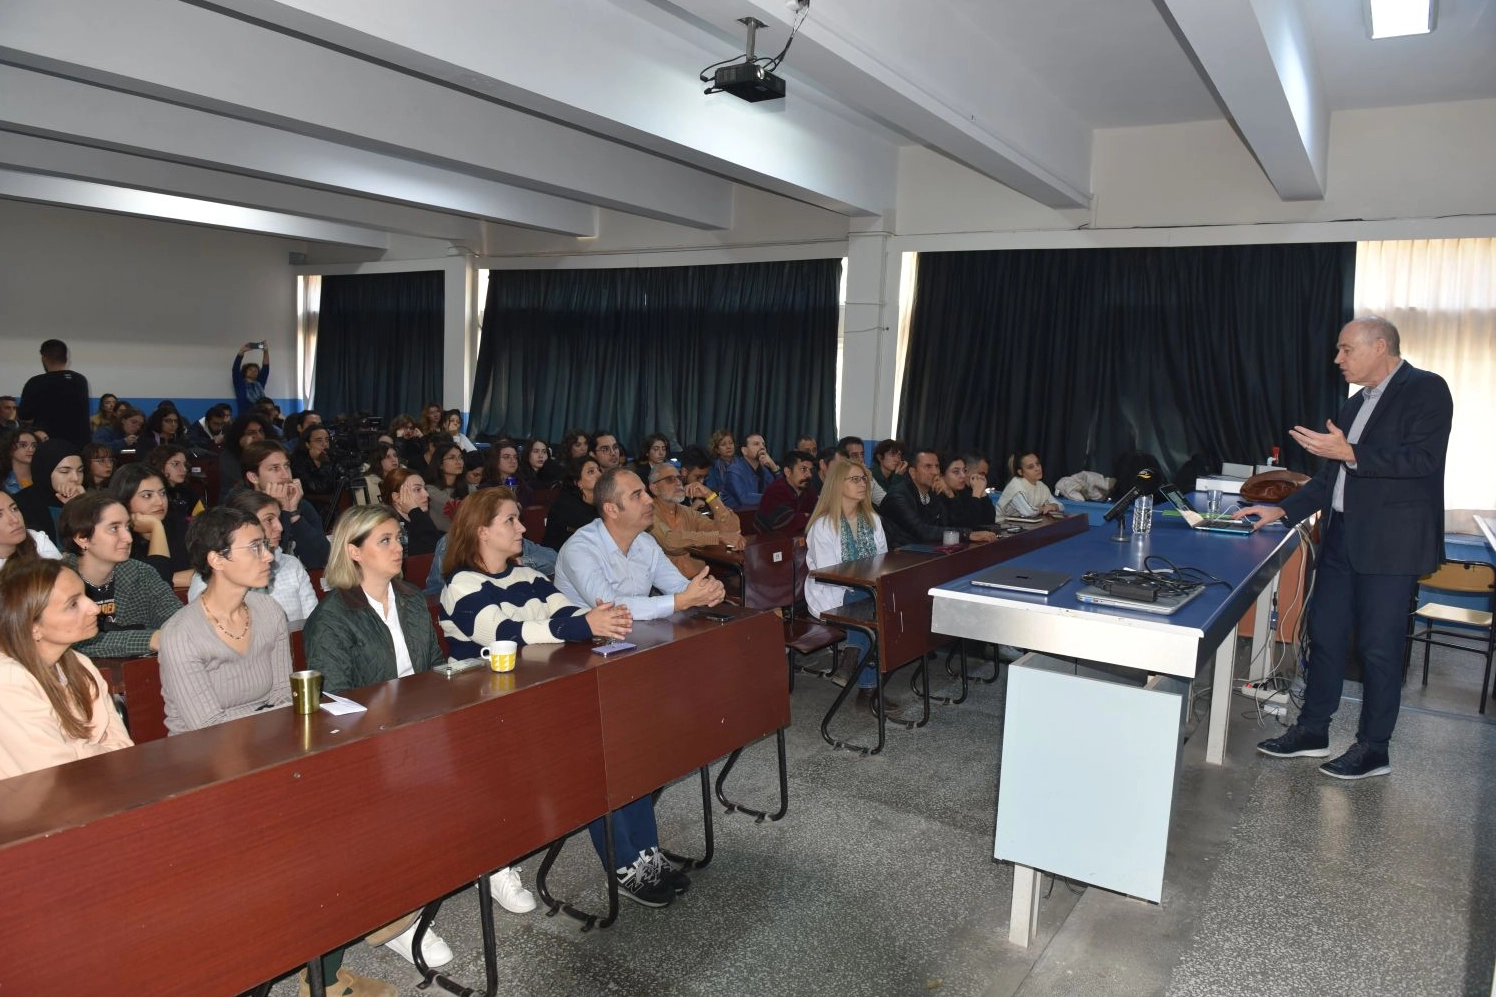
148	204
50	106
42	155
1258	58
201	58
613	70
927	71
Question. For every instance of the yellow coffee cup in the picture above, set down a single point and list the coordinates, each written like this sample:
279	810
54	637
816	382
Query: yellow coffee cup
502	656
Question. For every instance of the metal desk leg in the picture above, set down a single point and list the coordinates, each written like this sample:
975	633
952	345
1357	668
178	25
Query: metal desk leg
315	985
841	698
1023	918
554	906
685	862
490	947
1220	700
1262	635
784	786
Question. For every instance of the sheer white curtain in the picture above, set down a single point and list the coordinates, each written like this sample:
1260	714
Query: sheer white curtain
1441	295
309	306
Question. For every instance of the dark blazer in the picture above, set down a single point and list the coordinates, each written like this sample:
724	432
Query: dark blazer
1394	496
351	646
906	520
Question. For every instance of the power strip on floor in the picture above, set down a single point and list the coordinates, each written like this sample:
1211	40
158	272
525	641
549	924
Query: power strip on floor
1272	700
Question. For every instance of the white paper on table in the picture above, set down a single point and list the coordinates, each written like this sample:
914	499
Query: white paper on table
340	706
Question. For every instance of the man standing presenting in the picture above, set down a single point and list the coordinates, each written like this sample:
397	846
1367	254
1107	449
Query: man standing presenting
613	558
677	527
1381	498
786	504
749	474
57	401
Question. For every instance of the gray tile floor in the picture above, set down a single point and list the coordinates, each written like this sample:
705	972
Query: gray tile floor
880	879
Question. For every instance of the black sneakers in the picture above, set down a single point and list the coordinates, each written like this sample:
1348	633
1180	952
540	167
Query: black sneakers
641	883
1361	762
666	871
1296	742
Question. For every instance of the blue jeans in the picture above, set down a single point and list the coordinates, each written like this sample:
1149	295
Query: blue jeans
867	676
634	830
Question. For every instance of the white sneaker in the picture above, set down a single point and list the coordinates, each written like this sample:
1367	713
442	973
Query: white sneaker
436	951
509	892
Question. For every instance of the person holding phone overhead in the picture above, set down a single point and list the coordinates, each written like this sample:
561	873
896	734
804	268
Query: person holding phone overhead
250	378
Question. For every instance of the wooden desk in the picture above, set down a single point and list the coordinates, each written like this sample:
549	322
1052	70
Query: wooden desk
899	583
224	857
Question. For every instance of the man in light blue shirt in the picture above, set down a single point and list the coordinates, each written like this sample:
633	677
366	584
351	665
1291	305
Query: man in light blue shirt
614	559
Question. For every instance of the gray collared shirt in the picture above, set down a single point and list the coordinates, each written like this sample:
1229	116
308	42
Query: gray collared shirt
1353	436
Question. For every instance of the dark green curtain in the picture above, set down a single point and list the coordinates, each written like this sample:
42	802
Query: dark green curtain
676	350
1086	354
379	343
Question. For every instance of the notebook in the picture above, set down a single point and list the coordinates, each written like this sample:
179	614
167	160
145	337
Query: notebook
1213	524
1028	580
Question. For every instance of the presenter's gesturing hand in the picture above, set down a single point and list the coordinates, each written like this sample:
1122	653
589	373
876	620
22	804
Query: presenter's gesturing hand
1265	514
1331	445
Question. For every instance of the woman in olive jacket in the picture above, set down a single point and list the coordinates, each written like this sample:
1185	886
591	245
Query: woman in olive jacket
372	626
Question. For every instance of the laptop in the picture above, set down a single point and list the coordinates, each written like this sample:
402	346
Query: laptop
1213	524
1166	605
1026	580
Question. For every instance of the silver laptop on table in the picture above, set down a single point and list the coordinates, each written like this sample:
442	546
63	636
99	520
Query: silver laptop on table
1196	521
1022	580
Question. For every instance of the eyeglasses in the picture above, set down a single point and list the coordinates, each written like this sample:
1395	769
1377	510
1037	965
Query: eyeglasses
454	455
857	479
259	548
26	445
667	477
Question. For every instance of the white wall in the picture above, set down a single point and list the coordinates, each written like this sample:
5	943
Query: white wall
149	309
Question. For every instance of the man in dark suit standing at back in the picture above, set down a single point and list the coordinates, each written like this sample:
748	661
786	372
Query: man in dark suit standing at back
1381	499
57	401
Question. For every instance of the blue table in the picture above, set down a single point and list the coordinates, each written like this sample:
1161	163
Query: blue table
1177	645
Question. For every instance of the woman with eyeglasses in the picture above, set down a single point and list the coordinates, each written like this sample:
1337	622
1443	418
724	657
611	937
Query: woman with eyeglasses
844	527
227	654
134	603
16	541
312	463
54	705
98	466
404	491
170	461
573	508
164	426
446	484
501	466
17	450
289	585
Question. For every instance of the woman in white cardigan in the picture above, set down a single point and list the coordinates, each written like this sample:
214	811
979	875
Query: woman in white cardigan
1027	494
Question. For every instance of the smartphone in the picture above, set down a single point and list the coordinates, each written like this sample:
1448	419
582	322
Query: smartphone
260	345
715	615
613	647
458	667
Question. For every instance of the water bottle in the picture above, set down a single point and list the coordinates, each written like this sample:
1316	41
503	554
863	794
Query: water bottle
1142	514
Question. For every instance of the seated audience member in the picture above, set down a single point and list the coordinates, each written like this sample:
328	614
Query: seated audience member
914	512
431	418
487	599
134	603
207	432
124	431
574	444
408	439
723	449
289	585
501	466
312	464
825	457
452	426
853	449
170	462
787	503
1026	494
573	508
9	409
291	429
267	469
604	448
164	426
226	654
404	491
17	449
888	463
472	469
57	472
270	413
105	414
245	430
655	449
968	507
160	534
378	462
748	475
55	707
249	379
695	465
614	559
98	466
806	443
677	528
536	468
18	543
446	483
844	527
419	459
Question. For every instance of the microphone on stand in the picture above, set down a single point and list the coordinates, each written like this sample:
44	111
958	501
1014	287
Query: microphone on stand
1146	483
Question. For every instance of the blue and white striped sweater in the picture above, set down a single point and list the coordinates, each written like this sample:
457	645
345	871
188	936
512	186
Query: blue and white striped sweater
519	604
